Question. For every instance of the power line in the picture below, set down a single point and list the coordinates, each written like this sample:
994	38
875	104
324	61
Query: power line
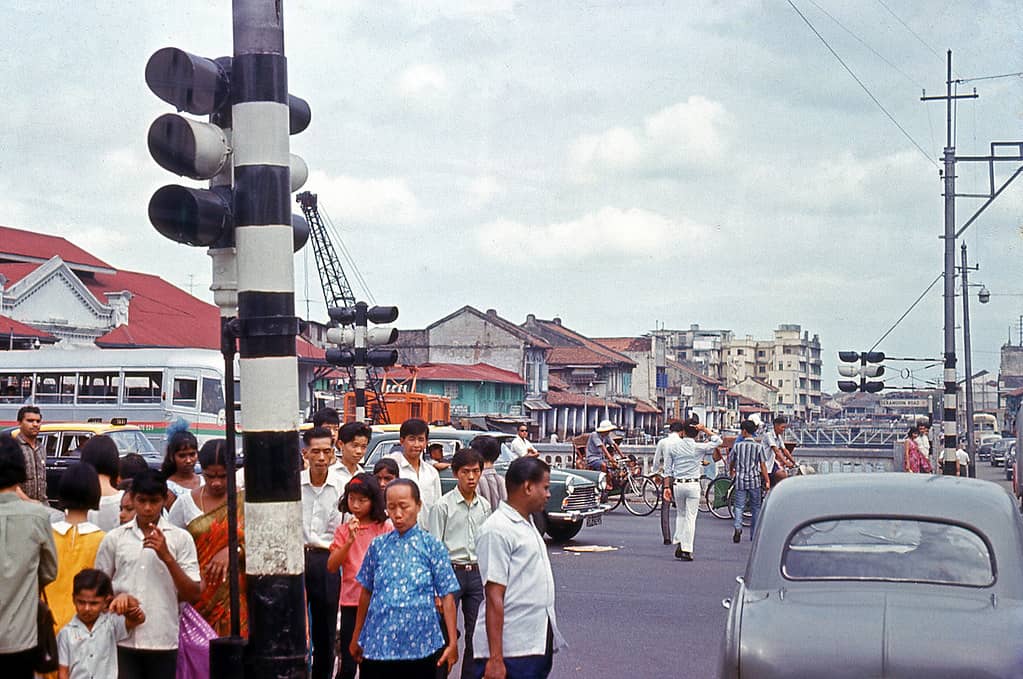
864	87
911	307
864	43
1018	74
906	26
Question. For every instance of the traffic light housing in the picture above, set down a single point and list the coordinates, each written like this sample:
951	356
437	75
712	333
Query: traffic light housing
356	340
202	150
867	369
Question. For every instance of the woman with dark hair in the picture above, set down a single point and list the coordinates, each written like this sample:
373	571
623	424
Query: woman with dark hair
77	539
179	463
101	452
203	513
30	560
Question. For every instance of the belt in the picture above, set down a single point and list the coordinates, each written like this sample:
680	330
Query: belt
687	480
465	566
310	548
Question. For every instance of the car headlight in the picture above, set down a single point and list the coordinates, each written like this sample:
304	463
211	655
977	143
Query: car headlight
602	482
569	485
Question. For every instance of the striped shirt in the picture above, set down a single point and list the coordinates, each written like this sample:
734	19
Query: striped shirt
745	457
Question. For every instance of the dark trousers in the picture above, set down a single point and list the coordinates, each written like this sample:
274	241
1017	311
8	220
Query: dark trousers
948	468
322	590
134	663
665	515
19	665
470	595
348	664
422	668
523	666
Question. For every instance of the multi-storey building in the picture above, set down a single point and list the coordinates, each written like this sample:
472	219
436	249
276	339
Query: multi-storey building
795	368
698	347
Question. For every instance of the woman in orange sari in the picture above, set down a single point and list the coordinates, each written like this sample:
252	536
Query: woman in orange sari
203	513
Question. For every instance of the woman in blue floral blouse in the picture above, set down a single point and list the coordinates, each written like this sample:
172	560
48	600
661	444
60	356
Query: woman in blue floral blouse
397	633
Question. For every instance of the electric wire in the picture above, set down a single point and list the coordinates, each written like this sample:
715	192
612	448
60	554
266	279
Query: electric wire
911	307
1018	74
864	87
350	267
906	26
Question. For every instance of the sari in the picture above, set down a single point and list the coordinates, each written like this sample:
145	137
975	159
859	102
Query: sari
209	531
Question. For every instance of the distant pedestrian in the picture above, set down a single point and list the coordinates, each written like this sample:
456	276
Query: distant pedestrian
130	466
321	493
27	436
179	461
456	521
29	558
518	634
923	440
101	452
491	484
414	436
963	458
77	540
87	646
779	460
364	503
912	458
747	465
385	471
154	561
685	464
659	467
435	452
520	445
396	628
598	447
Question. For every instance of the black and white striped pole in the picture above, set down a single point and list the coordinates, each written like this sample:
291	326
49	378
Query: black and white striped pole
263	120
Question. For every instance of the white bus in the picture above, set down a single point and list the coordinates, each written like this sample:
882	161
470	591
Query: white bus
984	424
148	387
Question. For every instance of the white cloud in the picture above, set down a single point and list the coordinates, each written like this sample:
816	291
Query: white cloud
383	200
422	80
683	134
609	232
484	189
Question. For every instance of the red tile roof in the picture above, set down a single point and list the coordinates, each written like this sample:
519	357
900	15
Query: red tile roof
556	383
578	356
622	344
644	407
16	271
159	314
570	398
455	372
38	247
9	326
678	365
571	337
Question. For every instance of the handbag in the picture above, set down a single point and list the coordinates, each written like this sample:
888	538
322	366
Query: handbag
46	659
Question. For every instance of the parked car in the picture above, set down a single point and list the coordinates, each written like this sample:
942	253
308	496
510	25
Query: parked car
998	449
61	441
1010	459
871	575
575	495
985	444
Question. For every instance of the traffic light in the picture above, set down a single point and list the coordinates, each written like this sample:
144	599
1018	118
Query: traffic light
203	150
866	370
355	339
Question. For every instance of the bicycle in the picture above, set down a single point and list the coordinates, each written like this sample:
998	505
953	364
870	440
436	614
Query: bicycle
720	500
640	494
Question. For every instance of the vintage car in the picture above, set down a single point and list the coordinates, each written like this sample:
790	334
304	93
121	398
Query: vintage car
575	496
880	575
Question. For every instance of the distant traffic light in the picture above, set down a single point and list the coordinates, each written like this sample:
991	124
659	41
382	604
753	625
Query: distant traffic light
864	371
354	339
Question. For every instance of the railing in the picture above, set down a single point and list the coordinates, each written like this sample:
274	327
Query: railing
846	436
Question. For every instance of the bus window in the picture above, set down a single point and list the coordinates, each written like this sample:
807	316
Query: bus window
55	388
212	396
16	388
185	391
142	387
98	387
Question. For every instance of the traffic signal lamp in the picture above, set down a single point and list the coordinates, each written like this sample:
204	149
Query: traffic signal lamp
866	370
355	339
202	150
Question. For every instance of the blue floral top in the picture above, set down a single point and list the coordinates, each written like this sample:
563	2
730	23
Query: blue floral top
404	572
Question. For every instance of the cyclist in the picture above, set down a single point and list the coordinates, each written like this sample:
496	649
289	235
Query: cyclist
774	440
598	447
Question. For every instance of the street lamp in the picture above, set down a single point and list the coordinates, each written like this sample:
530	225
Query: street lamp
984	296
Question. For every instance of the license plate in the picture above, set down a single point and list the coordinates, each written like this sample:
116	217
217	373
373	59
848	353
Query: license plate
594	520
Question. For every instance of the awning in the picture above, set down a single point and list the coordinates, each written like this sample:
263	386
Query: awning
536	404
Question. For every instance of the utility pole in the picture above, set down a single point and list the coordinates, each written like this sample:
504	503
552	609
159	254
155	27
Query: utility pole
970	447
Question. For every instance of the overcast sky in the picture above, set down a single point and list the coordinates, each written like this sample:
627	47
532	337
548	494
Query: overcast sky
622	165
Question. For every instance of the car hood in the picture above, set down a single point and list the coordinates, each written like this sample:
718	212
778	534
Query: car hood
879	632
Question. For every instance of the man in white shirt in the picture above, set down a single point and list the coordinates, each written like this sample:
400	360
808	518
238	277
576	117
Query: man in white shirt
685	466
321	491
414	435
520	445
518	634
778	459
155	562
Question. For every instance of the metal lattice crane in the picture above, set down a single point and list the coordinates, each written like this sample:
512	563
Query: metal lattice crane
337	292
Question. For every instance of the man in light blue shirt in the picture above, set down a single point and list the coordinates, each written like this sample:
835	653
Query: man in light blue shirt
685	463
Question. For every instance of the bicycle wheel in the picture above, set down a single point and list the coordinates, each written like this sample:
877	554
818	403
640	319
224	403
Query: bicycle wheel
719	497
639	495
614	495
704	484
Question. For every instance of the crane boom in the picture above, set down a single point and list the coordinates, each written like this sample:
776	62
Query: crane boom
337	292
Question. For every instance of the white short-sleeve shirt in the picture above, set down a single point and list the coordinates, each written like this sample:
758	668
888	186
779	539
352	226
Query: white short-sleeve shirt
512	553
427	479
138	571
91	654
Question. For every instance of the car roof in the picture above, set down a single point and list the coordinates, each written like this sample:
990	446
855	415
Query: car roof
979	505
93	427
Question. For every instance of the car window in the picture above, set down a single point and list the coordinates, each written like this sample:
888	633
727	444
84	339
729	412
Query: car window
71	441
897	549
131	442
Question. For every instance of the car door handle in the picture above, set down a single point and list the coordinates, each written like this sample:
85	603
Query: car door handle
726	603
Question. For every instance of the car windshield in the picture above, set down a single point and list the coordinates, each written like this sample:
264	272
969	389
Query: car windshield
893	549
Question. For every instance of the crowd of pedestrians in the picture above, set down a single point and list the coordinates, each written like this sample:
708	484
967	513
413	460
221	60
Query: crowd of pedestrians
392	564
